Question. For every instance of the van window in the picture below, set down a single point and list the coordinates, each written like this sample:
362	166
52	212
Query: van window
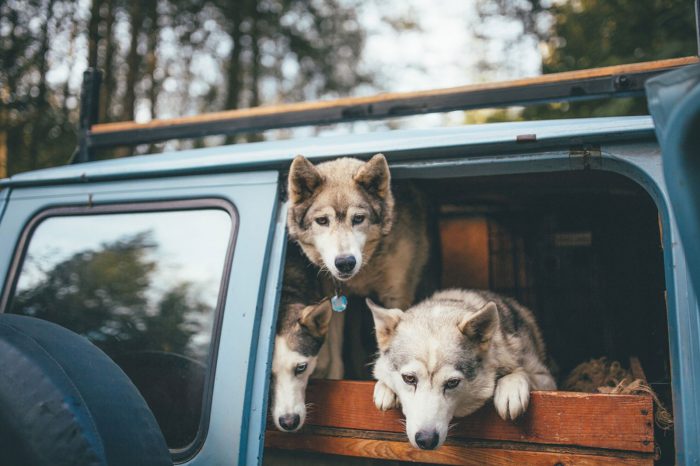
142	286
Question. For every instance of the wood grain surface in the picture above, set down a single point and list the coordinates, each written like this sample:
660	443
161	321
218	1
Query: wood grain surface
448	454
616	422
389	97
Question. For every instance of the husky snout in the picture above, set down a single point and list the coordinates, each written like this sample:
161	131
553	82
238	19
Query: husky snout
427	439
288	407
340	247
289	422
428	414
345	264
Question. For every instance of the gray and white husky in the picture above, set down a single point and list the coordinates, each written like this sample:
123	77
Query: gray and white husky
448	355
362	235
301	349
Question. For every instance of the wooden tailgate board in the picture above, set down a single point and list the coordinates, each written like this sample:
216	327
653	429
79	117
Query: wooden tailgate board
559	428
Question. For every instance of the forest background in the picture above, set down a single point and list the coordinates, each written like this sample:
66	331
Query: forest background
167	58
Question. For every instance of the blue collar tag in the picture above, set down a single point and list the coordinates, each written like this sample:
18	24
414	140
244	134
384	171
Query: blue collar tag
339	303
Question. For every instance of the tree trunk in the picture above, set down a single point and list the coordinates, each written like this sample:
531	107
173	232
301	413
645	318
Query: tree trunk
108	81
152	60
65	111
40	117
255	61
234	69
133	61
94	33
254	66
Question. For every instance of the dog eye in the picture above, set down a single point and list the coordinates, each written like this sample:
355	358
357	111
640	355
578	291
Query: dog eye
452	383
301	367
357	219
323	221
410	379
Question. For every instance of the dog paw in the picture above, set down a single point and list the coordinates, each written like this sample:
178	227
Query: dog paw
512	396
384	397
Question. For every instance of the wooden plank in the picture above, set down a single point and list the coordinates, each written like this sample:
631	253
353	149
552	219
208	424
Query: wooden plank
447	454
597	82
618	422
389	96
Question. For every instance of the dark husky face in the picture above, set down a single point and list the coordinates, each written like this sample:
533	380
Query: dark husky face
297	344
339	211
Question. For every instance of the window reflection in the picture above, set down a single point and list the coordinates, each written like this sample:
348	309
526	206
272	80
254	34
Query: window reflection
141	286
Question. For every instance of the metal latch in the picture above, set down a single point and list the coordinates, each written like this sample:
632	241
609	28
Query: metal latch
585	157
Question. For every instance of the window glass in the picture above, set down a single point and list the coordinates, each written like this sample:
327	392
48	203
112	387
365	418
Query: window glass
144	288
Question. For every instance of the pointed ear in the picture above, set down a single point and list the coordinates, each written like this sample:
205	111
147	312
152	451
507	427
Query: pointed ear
374	176
303	181
385	322
481	325
317	318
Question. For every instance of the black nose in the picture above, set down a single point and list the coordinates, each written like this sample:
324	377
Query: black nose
289	421
427	439
345	263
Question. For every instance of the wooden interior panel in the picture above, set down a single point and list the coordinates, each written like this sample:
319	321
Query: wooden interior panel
601	422
465	252
471	455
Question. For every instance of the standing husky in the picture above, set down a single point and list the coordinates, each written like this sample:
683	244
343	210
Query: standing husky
344	217
349	223
448	355
367	237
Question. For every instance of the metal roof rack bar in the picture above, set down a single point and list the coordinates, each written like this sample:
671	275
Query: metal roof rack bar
607	82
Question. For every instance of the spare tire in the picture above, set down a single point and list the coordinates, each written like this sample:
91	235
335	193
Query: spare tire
64	402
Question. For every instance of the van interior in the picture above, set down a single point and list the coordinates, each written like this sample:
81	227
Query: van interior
581	249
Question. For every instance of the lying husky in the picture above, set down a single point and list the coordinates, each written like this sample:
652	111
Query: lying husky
448	355
344	216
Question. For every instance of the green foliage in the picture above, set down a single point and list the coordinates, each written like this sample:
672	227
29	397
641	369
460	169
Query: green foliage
580	34
595	33
104	294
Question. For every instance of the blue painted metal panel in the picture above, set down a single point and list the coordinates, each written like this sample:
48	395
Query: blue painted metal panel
254	196
674	100
4	195
268	323
398	145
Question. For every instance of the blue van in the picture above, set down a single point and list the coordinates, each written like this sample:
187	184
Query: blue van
171	265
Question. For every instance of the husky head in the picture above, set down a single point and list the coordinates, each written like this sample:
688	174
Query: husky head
435	359
339	211
297	343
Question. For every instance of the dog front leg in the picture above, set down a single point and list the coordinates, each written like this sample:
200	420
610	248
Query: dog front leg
541	378
384	397
512	395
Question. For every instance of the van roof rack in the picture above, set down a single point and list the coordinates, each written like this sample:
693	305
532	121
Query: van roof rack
607	82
